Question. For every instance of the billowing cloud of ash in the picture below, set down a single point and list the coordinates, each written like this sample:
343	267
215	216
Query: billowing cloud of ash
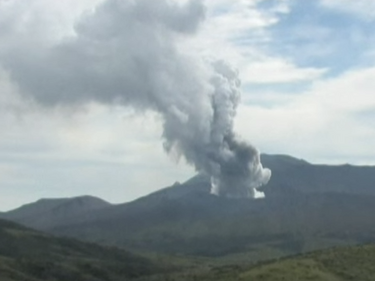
126	52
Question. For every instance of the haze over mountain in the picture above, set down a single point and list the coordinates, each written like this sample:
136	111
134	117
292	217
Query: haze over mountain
307	207
48	212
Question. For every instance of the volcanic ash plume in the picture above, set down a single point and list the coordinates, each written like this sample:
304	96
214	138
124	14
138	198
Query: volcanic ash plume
126	52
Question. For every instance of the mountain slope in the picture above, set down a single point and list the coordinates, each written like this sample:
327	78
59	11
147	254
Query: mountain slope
210	226
290	174
50	212
307	207
338	264
31	256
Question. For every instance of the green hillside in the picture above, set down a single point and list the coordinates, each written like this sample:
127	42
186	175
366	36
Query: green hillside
26	255
338	264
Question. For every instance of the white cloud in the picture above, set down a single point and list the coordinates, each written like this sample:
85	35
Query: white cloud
331	123
278	71
103	152
352	92
237	31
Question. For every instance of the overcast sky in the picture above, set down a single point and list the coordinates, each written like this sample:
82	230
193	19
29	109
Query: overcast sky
308	79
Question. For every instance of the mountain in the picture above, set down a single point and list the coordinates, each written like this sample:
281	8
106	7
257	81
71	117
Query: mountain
27	255
201	224
307	207
50	212
290	174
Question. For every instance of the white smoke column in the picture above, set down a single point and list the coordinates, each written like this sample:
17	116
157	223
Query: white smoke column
126	53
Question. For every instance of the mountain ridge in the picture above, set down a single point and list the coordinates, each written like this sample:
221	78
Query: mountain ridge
307	207
47	211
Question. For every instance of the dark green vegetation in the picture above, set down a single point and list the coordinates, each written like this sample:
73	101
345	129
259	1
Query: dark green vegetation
338	264
31	256
26	255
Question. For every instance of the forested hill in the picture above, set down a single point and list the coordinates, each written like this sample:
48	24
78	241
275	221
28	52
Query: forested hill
337	264
27	255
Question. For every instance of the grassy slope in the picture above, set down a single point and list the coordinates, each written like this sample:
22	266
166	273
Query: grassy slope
26	255
31	256
337	264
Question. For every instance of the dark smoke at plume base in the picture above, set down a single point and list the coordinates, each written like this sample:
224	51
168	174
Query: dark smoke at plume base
126	52
242	173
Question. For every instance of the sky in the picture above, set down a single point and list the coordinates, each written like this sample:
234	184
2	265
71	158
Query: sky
307	71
